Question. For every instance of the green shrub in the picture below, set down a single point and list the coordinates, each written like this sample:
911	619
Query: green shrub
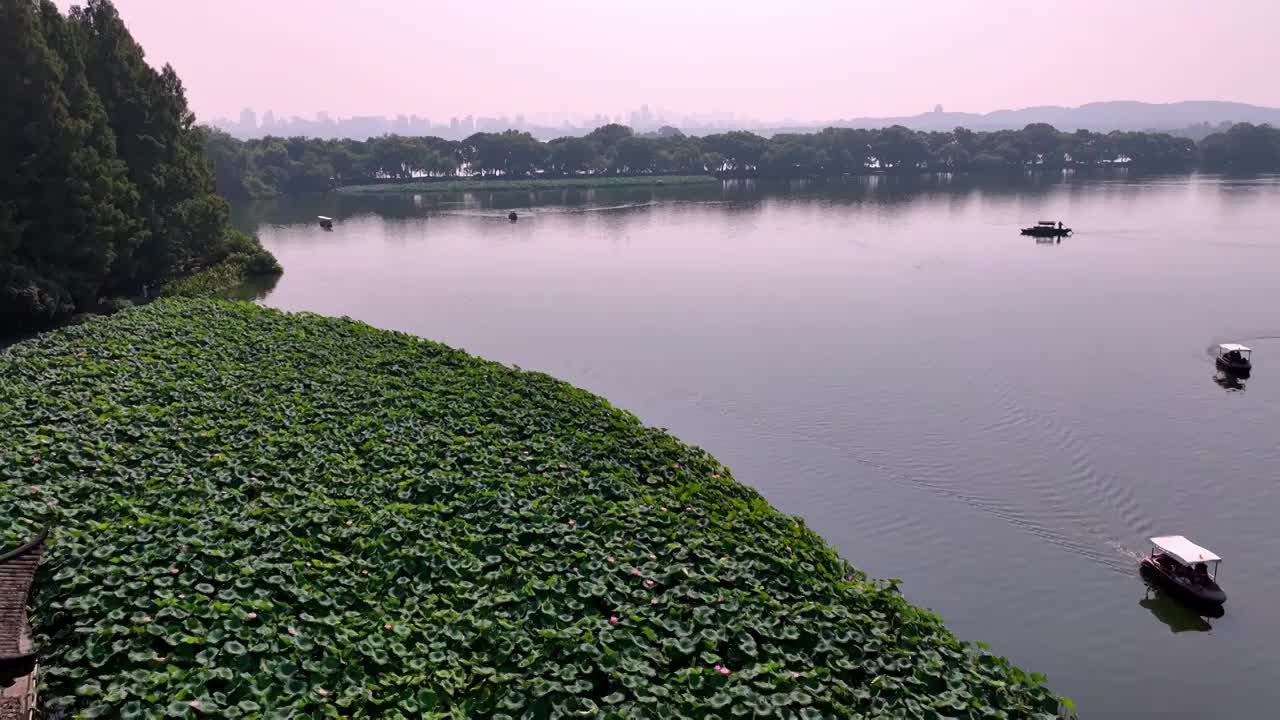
277	515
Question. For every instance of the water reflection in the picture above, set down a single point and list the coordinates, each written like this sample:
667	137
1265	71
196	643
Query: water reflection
253	289
891	194
1230	382
1177	616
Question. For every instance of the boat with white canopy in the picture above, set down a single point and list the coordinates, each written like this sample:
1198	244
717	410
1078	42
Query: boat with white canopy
1235	358
1185	570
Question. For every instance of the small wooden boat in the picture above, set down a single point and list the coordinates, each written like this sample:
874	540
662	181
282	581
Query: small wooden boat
325	222
1234	358
1182	569
1047	228
512	216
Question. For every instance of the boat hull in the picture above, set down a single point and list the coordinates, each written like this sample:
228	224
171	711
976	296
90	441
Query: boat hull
1046	232
1209	598
1241	369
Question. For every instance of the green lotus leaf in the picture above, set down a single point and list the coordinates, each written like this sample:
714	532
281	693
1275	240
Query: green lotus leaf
376	525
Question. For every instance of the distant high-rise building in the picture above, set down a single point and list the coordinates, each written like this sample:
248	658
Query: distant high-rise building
322	117
268	121
248	120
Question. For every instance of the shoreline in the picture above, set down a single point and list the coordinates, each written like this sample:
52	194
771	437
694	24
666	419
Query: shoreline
526	184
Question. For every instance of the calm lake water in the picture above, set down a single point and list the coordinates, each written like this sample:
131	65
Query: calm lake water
998	422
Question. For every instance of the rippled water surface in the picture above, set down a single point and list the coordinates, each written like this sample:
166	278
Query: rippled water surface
998	422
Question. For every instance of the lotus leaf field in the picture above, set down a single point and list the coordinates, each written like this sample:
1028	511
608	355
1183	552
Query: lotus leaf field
257	514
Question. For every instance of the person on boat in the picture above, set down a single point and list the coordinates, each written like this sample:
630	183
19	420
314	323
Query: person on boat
1059	224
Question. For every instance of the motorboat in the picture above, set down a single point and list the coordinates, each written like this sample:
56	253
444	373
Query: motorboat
1235	358
1185	570
325	222
1047	228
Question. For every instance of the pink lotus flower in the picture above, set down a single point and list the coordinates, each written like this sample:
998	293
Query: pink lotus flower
364	572
635	571
386	626
52	503
653	601
795	675
146	618
788	548
322	691
180	596
652	556
35	488
35	458
195	705
649	583
613	619
173	571
716	667
293	631
716	476
349	522
675	465
663	508
725	671
251	616
573	522
611	559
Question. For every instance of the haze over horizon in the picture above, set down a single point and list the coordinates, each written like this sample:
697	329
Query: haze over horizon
802	62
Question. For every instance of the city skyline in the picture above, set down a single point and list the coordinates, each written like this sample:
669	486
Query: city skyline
776	63
1188	118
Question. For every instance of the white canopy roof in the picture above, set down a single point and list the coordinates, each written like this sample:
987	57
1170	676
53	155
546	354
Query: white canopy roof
1228	347
1182	549
323	217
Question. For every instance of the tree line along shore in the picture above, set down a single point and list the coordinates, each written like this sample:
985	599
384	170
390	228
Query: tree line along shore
275	165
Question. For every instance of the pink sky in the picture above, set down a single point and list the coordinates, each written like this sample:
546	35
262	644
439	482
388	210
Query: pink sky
802	59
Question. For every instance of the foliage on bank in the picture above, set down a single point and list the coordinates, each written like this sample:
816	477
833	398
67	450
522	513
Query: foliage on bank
105	189
258	514
530	184
247	260
273	165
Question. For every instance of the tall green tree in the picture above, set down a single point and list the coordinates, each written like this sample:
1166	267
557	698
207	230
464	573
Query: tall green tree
65	200
105	186
155	132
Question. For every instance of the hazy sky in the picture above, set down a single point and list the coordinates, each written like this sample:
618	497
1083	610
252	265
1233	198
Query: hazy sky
802	59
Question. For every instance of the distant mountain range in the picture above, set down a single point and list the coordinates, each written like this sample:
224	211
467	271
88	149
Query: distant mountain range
1099	116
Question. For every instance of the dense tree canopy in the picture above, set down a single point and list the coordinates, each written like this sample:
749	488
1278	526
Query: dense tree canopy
272	165
106	189
1243	148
